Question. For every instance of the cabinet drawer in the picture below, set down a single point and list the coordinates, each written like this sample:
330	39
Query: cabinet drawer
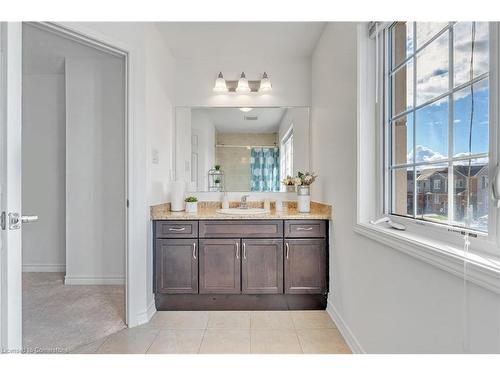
245	229
176	229
305	228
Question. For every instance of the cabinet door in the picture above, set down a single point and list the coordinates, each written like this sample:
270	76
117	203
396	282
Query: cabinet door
262	266
177	266
305	266
220	266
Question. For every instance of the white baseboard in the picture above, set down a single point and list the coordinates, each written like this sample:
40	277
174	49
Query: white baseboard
146	315
44	268
94	280
349	337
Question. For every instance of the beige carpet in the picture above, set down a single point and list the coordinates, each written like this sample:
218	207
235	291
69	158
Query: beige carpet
58	317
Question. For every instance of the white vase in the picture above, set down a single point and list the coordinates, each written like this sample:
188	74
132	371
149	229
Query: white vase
192	207
303	199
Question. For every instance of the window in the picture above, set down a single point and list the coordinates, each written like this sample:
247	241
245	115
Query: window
437	122
286	167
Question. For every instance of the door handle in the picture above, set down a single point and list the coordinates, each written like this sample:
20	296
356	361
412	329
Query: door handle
287	249
15	220
194	250
237	250
244	251
302	228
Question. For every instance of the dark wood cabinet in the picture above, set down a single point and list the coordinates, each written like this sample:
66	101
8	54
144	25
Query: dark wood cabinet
305	266
241	229
177	266
262	266
220	266
241	264
176	229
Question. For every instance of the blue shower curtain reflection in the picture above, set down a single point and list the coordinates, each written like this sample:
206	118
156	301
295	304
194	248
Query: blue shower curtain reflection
264	169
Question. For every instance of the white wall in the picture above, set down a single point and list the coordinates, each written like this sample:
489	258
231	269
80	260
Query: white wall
391	302
299	117
150	61
194	81
43	172
95	171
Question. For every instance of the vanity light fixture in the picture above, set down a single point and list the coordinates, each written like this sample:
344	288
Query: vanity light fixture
243	85
220	84
265	83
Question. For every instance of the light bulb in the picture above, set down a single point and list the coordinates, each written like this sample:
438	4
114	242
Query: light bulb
243	84
220	84
265	83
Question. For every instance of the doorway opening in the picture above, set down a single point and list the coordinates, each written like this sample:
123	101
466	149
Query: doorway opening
74	180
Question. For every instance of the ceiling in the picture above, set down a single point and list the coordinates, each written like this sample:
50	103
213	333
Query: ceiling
44	52
232	120
202	40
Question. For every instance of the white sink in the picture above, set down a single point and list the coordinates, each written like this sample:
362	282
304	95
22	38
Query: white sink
243	211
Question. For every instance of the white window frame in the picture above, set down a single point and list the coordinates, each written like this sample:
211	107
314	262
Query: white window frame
284	157
428	241
485	242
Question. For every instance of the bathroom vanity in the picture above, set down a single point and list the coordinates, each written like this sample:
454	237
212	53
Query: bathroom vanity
276	261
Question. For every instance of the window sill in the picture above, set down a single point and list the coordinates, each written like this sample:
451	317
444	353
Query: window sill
481	270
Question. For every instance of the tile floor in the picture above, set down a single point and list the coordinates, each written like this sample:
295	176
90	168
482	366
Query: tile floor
227	332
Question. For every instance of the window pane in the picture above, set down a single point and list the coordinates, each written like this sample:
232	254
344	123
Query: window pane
432	132
402	191
402	42
426	30
462	108
462	41
402	140
432	193
471	194
433	69
402	89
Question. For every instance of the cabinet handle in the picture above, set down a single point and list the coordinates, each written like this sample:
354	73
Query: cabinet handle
177	229
244	251
194	250
303	228
237	250
287	249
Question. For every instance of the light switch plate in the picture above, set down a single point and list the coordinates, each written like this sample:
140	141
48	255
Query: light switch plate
155	156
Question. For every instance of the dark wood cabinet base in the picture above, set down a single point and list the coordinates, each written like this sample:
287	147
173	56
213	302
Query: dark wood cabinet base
171	302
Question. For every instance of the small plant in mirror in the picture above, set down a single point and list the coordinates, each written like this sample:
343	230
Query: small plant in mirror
288	181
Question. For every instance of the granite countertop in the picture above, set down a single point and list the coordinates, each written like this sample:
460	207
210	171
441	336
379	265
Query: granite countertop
208	210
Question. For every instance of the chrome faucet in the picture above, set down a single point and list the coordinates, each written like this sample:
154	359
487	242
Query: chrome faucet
243	203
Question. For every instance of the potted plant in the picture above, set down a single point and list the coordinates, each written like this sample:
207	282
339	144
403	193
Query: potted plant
217	182
217	167
303	182
191	204
289	183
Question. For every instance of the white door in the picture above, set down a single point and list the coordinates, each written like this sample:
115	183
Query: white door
10	186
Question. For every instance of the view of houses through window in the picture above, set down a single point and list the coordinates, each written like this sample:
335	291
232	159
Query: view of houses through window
438	122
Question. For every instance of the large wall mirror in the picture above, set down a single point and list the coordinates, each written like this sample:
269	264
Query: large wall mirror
240	149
